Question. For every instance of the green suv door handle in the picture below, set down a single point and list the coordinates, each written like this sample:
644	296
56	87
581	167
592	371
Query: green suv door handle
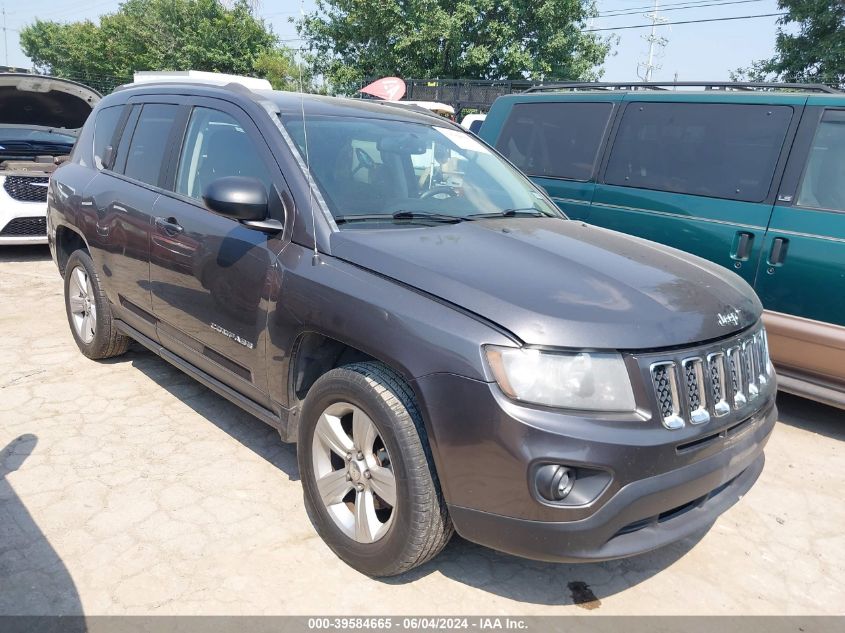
743	242
777	254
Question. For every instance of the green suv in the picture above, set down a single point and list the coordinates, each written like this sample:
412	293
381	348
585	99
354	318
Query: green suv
750	176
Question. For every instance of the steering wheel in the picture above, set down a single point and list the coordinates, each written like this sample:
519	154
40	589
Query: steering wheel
364	160
440	192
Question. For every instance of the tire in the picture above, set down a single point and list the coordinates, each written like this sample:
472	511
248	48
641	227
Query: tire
417	527
94	329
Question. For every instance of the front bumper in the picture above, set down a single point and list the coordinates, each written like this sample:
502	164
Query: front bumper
21	221
661	485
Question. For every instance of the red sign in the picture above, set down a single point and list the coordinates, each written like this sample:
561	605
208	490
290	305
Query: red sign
387	88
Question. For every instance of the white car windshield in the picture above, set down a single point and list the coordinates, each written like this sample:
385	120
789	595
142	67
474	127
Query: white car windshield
34	135
371	170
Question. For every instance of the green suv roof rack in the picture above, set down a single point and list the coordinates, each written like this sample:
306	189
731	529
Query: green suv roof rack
667	85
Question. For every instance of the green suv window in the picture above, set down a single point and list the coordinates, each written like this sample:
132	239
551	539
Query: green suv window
556	140
823	186
716	150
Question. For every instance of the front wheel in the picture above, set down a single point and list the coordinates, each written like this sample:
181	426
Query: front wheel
370	485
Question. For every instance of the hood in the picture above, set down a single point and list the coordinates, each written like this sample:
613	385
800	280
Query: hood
562	283
44	101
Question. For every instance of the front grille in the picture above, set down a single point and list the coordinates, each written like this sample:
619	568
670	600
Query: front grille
725	377
27	188
25	227
662	385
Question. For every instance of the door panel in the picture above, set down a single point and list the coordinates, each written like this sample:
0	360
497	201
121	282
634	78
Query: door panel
806	277
699	176
210	278
124	220
727	232
801	283
571	196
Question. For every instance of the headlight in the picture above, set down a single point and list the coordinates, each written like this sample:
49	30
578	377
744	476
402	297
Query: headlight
588	381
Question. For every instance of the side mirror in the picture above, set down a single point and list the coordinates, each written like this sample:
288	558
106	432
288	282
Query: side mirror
238	197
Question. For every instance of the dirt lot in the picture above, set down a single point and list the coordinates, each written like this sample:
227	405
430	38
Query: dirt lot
127	488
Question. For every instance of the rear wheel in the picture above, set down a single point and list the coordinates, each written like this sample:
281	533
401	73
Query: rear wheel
370	486
89	311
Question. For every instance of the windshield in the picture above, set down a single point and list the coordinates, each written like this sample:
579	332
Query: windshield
375	170
34	136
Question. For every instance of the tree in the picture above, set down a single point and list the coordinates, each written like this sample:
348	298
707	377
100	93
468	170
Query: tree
810	45
154	35
280	67
350	40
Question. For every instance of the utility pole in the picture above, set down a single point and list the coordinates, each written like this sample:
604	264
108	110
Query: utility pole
654	41
5	39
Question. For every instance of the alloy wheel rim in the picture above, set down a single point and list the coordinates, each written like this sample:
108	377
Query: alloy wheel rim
353	473
83	308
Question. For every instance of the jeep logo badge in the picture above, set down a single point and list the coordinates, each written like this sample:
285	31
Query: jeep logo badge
728	318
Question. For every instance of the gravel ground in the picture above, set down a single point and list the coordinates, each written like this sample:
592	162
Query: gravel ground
127	488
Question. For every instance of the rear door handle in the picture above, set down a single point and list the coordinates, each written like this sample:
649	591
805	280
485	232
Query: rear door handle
743	243
169	225
777	254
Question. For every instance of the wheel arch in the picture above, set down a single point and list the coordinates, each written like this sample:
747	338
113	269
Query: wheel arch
68	241
315	353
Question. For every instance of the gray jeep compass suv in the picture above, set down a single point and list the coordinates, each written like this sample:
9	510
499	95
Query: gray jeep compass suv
445	347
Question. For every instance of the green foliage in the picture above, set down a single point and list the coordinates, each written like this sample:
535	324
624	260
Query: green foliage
280	68
810	45
351	40
157	35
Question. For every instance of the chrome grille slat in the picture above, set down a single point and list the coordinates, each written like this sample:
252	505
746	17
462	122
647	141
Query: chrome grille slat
695	388
716	363
749	369
762	358
665	380
734	355
698	388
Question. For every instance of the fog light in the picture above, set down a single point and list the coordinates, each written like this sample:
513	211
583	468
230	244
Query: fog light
555	482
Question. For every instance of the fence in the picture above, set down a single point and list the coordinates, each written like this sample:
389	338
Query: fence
462	93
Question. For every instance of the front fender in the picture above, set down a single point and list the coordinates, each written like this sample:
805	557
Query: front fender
413	333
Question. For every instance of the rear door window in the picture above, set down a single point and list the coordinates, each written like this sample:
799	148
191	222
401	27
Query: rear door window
823	184
104	128
717	150
149	146
557	140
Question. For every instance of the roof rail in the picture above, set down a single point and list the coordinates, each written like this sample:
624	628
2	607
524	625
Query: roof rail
232	86
665	85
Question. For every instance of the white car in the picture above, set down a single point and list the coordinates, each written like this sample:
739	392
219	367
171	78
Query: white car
472	122
40	118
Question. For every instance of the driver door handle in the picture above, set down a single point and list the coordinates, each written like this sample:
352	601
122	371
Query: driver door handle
169	225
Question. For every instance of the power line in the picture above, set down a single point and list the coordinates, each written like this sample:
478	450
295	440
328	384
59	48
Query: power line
646	26
612	13
678	6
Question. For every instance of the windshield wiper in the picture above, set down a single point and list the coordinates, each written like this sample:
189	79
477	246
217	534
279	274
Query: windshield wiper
344	219
431	217
400	215
530	212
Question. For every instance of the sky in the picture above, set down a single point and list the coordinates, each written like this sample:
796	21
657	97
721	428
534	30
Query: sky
704	51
